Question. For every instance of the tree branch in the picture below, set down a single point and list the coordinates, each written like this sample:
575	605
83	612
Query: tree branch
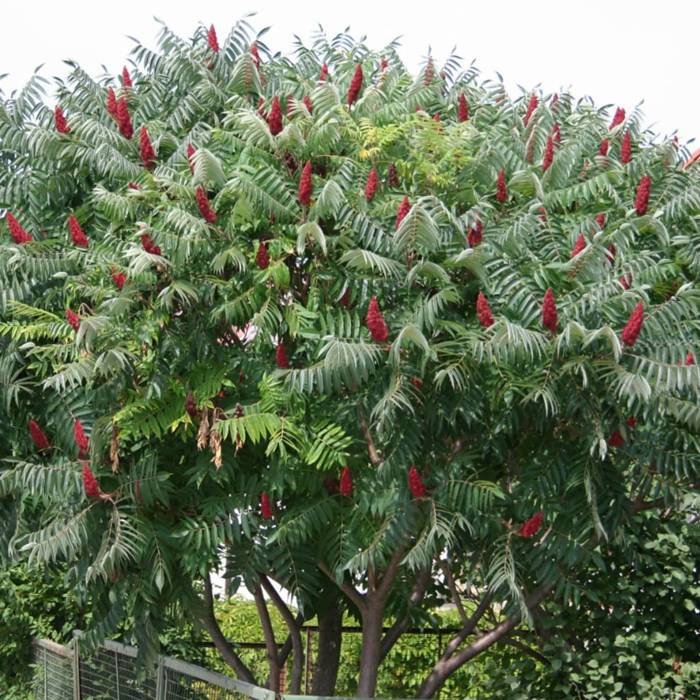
374	457
357	598
273	681
208	620
392	568
294	633
449	577
527	650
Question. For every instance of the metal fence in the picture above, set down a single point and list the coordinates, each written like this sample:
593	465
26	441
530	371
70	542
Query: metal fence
111	673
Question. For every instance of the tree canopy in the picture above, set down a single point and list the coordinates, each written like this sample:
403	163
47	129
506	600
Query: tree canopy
384	341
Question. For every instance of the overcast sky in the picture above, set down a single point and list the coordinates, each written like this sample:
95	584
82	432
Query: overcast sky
617	51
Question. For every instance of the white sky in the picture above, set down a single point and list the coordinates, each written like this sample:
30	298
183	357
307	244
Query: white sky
617	51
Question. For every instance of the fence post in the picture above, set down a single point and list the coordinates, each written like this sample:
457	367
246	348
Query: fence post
76	665
160	679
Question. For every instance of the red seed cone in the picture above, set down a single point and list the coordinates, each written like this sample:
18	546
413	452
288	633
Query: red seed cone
501	190
73	319
612	252
371	185
265	506
429	72
134	186
60	121
255	54
190	155
112	103
549	311
631	331
81	440
119	279
402	211
641	201
345	299
148	155
415	483
531	107
532	526
483	311
689	359
41	442
475	235
281	359
579	245
393	176
548	155
616	439
376	323
346	483
626	148
212	39
19	235
556	133
631	422
274	118
618	118
308	103
126	78
324	73
76	232
92	488
600	220
625	281
355	85
604	147
462	108
262	257
205	209
126	128
149	245
306	185
383	64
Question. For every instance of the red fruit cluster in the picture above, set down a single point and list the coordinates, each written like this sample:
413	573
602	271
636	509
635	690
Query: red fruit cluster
402	211
212	39
262	257
631	422
355	85
429	72
579	245
417	382
633	327
274	118
112	103
92	488
392	176
73	319
190	156
81	440
618	118
604	147
76	232
549	311
60	121
376	323
483	311
616	439
126	78
255	54
475	234
501	190
625	281
383	64
626	148
641	201
371	185
532	526
41	442
345	299
134	186
690	359
306	185
126	128
265	506
600	220
19	235
548	155
149	244
346	483
308	103
203	203
281	359
148	155
415	483
531	107
324	73
462	108
556	133
119	279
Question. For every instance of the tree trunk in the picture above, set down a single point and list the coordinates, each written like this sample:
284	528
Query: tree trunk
273	682
372	623
330	635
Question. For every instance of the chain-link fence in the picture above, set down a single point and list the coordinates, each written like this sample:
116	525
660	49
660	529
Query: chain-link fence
53	671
